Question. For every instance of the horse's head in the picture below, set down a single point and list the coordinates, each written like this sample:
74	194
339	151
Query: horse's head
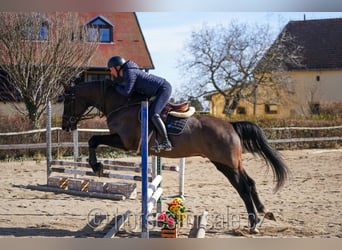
99	94
74	108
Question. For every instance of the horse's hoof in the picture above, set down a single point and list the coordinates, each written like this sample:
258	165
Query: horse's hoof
254	231
98	169
269	216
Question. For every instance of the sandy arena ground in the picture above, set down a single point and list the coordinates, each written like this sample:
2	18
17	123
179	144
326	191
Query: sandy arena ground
308	206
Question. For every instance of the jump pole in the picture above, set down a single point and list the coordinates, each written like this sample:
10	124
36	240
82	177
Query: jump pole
75	139
48	140
144	171
181	177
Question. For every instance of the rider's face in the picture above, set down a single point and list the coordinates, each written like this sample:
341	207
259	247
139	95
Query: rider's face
115	71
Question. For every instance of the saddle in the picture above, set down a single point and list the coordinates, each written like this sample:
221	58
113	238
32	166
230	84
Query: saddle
177	107
182	110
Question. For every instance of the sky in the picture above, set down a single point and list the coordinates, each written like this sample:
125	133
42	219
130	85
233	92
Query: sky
166	32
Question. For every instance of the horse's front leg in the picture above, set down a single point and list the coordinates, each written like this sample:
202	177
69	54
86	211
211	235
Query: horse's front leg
112	140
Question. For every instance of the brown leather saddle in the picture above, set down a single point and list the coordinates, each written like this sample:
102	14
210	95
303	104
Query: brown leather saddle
177	107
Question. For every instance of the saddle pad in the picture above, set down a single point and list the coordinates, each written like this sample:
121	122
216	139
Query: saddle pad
175	125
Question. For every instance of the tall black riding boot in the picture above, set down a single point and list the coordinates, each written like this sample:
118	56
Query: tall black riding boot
158	123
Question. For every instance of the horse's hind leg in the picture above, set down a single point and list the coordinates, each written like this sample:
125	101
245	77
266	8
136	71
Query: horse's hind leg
257	202
255	196
242	186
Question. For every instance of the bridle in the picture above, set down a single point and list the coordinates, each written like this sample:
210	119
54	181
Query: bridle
73	119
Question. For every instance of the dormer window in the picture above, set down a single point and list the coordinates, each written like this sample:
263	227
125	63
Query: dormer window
37	32
100	26
43	34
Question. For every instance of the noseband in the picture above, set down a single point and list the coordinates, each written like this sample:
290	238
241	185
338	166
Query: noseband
73	118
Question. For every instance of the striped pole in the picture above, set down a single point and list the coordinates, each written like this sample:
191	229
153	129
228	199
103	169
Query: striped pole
144	171
159	172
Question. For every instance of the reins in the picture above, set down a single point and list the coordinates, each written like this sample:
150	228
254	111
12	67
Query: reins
102	106
126	105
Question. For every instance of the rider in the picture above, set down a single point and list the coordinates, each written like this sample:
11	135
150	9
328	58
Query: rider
128	78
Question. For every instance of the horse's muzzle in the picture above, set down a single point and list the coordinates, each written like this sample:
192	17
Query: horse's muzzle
65	126
69	124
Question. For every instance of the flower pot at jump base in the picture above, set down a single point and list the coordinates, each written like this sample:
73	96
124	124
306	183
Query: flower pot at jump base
169	233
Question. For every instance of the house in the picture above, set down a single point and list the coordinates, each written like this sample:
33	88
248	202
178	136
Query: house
120	34
316	85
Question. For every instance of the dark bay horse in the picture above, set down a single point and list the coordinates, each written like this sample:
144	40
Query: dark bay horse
222	142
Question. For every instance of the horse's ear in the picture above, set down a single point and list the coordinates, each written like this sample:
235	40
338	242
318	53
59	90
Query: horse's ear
65	86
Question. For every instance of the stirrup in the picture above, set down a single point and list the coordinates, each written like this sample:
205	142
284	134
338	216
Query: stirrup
165	146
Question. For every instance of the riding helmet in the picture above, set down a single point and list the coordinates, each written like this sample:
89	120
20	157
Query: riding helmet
116	61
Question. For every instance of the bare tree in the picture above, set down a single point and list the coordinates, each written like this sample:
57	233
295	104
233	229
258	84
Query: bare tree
38	54
236	60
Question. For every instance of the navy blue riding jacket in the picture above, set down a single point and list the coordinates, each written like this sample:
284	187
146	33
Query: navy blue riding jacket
136	80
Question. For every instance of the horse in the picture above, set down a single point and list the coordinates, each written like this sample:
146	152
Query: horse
219	140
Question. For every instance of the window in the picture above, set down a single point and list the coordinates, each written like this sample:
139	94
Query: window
100	27
43	33
34	32
271	109
241	111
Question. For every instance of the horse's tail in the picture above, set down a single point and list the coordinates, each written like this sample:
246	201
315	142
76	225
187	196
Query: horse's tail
254	141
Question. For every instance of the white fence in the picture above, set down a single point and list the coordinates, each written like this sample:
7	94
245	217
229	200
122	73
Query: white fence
289	139
85	144
43	145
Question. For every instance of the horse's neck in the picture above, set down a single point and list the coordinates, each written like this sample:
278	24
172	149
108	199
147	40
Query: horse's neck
104	97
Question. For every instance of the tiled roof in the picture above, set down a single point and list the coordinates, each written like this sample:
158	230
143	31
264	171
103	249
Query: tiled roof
129	41
321	40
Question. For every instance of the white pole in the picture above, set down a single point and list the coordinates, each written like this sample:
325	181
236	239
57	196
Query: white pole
181	177
153	200
48	140
152	187
202	225
75	139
